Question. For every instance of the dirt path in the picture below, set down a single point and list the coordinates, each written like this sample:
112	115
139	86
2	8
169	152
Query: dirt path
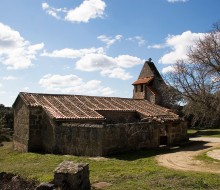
183	159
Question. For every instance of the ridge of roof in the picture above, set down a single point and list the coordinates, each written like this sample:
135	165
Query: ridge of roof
47	94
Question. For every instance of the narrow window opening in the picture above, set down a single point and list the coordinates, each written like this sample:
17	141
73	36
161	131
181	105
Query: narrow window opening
142	87
135	88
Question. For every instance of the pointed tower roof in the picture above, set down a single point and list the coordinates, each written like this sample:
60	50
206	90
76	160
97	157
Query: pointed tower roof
148	73
149	70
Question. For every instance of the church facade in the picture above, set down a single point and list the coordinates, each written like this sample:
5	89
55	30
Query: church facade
97	126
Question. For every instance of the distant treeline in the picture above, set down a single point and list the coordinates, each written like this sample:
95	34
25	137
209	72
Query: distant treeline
6	117
6	123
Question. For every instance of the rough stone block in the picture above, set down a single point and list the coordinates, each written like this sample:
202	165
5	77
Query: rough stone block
72	175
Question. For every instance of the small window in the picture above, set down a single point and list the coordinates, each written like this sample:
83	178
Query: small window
142	87
135	88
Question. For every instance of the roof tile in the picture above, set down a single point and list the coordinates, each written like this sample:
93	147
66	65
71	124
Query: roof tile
146	80
70	107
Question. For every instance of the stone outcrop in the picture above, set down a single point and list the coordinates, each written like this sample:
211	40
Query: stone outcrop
14	182
74	176
67	176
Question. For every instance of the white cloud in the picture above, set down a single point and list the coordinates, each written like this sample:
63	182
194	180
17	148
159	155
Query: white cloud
15	51
73	53
52	81
156	46
52	11
73	84
94	59
175	1
127	61
88	9
108	66
45	6
138	39
9	78
179	45
2	92
168	69
1	85
117	73
109	40
95	62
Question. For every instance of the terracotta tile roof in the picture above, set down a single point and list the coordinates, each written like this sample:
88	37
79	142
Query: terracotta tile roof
143	80
70	107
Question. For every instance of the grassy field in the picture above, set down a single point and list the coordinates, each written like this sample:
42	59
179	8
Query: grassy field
130	171
206	158
204	132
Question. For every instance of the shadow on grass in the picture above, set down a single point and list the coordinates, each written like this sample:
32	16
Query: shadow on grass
195	145
147	153
208	132
137	154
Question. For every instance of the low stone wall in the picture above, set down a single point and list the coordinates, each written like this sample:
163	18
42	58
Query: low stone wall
79	139
119	138
177	132
106	139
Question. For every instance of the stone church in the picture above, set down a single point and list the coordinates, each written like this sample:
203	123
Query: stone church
97	126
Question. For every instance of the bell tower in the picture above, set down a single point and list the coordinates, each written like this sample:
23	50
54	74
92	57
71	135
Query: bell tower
148	85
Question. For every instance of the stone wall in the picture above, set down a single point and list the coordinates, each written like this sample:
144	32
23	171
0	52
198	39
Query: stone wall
35	125
101	140
147	94
125	137
150	96
79	139
137	93
48	133
21	126
34	130
176	132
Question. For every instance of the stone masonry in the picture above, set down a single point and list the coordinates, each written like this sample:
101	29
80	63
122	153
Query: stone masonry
74	176
94	125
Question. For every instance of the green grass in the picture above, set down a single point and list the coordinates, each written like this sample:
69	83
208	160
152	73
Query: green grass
210	132
206	158
192	131
130	171
204	132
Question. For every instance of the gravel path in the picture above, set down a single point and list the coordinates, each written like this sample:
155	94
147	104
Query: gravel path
183	159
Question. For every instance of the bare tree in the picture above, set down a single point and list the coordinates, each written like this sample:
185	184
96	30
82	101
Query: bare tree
197	80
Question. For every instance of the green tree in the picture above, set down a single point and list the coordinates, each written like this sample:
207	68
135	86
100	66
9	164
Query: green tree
6	122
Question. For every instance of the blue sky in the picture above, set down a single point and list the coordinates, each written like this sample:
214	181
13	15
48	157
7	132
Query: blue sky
93	47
